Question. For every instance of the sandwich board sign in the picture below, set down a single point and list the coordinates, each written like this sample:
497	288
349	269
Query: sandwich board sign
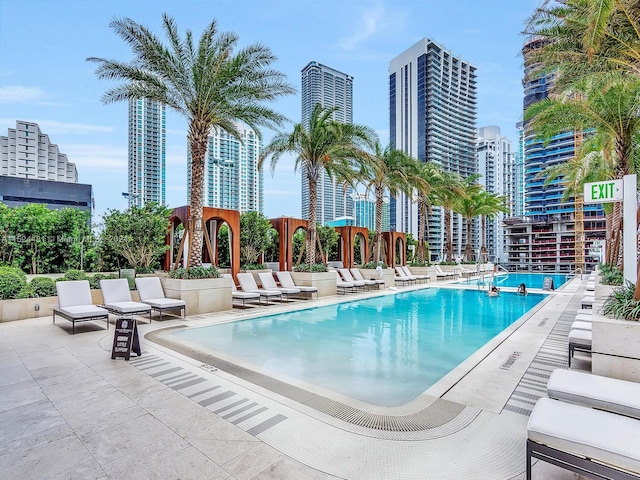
125	339
604	192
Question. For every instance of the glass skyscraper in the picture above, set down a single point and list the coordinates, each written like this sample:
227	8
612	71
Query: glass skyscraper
330	88
147	152
432	109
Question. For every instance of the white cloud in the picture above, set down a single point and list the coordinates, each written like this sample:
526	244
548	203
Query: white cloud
28	95
52	127
368	27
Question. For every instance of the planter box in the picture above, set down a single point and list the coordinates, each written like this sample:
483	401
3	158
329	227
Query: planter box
22	308
325	282
388	275
203	295
615	348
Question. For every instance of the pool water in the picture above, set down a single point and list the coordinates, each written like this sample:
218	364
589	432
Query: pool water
531	280
385	350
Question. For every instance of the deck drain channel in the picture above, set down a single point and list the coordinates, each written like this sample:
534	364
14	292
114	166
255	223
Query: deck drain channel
510	361
542	322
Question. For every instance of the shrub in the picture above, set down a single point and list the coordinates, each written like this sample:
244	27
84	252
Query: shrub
415	263
253	266
448	263
143	270
194	272
621	303
26	291
74	275
373	265
94	281
43	287
316	268
12	280
612	276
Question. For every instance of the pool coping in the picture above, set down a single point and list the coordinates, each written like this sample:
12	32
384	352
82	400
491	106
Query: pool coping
427	411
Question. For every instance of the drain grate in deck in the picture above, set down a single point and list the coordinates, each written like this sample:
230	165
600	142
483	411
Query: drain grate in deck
508	363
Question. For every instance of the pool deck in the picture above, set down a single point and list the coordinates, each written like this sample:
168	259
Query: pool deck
67	411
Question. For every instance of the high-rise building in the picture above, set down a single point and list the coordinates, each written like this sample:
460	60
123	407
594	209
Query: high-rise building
432	108
33	170
232	179
544	239
496	164
365	211
147	152
330	88
26	152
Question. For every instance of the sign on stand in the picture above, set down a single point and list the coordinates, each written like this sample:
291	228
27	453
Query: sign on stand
125	339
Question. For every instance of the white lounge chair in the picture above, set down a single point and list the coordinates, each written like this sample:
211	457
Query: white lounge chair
116	298
579	340
401	277
421	278
590	442
286	280
442	274
248	284
270	284
357	275
151	292
342	285
604	393
347	277
238	295
75	305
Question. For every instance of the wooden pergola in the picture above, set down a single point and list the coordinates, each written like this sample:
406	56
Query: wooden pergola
390	240
213	218
286	228
347	243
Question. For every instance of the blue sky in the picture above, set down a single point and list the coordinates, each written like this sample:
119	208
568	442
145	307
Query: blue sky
44	77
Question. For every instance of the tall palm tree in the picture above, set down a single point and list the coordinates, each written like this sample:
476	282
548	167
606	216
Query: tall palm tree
386	170
583	38
208	82
322	145
431	181
467	206
447	197
489	205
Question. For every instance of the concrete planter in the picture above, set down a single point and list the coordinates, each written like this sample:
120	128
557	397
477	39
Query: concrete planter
615	348
388	275
22	308
202	295
325	282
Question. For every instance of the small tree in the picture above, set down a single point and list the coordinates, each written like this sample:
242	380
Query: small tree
256	233
138	234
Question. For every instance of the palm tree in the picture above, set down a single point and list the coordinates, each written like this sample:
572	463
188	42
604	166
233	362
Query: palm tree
322	145
386	170
489	205
209	83
467	206
585	38
431	180
447	197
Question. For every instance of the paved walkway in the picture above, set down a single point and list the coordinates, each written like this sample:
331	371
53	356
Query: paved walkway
68	411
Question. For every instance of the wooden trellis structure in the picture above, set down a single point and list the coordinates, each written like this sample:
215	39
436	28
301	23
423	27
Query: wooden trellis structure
389	240
213	219
287	227
347	236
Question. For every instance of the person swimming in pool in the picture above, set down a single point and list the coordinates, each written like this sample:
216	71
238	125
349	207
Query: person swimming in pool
522	289
494	291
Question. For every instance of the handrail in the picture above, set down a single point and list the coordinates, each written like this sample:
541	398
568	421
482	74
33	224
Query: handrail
575	272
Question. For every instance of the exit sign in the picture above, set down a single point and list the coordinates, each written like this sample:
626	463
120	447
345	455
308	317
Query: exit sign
603	192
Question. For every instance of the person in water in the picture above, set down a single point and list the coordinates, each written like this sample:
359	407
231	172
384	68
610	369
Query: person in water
522	289
494	291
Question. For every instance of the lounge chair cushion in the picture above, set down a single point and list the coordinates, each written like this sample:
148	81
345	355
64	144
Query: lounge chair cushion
73	292
128	307
604	393
270	284
149	287
164	303
286	281
248	284
578	325
580	337
602	436
78	312
584	317
115	290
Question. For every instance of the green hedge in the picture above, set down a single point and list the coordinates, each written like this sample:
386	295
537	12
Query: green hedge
12	281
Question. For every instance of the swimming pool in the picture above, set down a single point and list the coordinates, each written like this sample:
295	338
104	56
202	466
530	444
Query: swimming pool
531	280
385	350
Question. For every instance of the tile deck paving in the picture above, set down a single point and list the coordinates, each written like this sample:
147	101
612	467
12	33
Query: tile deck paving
68	411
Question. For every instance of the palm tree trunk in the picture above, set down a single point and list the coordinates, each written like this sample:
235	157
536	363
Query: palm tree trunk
448	242
311	238
198	133
377	238
483	247
422	218
468	251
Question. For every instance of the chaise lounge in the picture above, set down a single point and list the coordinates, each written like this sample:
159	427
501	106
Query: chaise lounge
151	292
238	295
270	284
248	284
286	280
75	305
590	442
116	298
